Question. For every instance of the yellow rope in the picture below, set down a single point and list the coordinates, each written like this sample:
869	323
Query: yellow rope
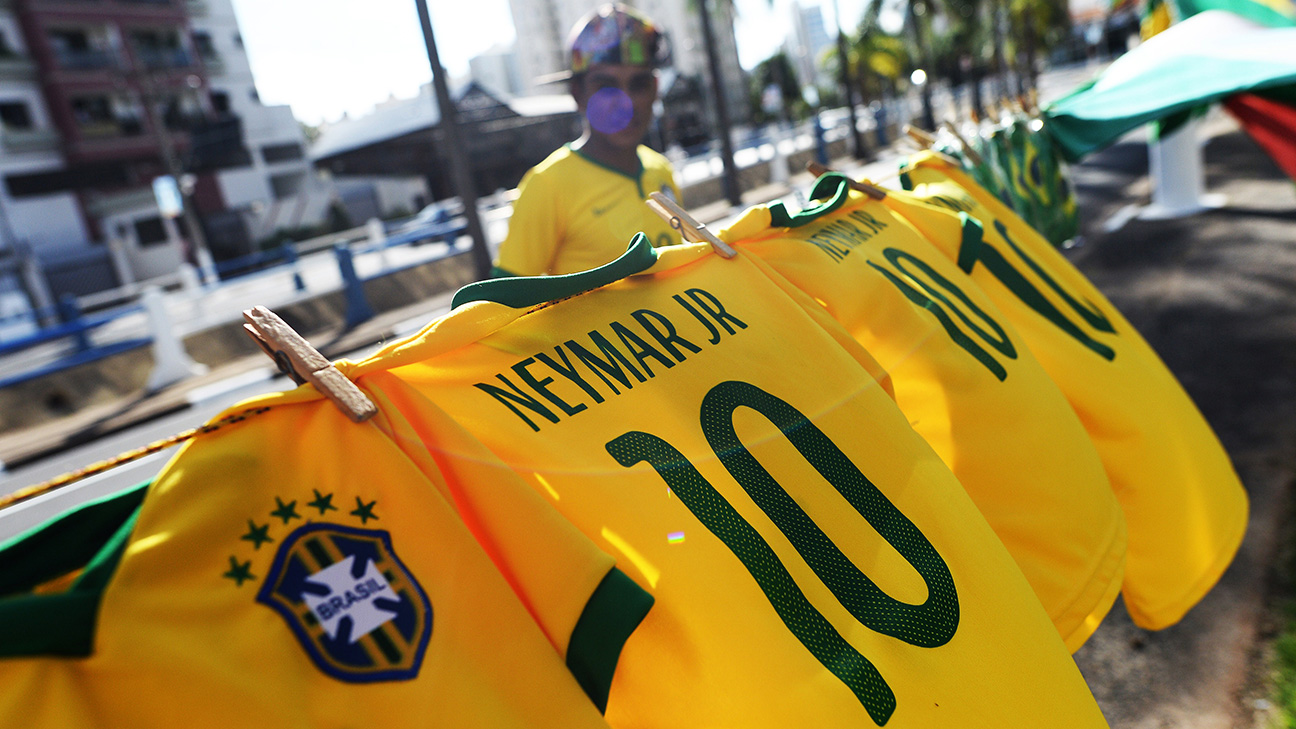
132	455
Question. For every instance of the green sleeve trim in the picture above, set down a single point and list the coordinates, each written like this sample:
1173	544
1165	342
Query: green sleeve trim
65	543
528	291
613	612
906	182
497	272
831	187
63	624
970	247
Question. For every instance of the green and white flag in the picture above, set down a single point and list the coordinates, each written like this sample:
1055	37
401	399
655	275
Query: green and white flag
1199	61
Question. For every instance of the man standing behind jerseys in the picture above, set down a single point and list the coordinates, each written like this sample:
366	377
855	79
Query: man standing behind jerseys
579	208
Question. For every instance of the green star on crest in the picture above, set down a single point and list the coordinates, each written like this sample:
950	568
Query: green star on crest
364	511
322	502
287	511
240	572
258	535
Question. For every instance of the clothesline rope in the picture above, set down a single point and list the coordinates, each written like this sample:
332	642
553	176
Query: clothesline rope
72	477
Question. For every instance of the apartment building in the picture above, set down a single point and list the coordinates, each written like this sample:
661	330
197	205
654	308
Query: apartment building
98	98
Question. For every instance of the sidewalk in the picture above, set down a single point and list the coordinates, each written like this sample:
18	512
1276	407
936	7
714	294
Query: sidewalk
1215	295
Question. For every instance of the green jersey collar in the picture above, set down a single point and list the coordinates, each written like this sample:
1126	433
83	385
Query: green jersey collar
527	291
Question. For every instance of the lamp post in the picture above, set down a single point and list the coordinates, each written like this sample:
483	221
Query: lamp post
459	165
732	192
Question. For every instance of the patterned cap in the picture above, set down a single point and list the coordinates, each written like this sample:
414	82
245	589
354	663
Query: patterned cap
615	34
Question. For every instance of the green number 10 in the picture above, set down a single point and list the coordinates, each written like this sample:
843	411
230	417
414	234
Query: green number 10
927	625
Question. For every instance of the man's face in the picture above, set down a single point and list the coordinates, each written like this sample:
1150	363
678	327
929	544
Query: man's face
617	101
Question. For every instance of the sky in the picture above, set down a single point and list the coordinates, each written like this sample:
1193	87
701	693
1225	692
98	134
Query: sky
328	57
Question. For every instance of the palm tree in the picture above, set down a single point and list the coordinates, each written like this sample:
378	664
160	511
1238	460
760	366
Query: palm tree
777	71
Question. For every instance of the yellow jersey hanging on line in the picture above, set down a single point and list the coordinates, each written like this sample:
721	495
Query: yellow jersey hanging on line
966	382
812	561
1185	507
300	570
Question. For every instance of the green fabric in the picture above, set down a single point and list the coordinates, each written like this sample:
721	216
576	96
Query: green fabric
63	623
64	543
831	187
1140	88
527	291
1260	12
613	612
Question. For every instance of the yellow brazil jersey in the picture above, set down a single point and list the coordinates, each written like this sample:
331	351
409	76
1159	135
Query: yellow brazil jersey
296	569
574	213
1185	507
968	385
812	561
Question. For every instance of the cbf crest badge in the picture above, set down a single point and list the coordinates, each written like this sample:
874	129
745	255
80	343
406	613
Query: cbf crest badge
360	615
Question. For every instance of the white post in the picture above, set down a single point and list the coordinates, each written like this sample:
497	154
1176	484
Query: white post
171	363
1178	179
190	283
38	287
377	235
779	163
120	263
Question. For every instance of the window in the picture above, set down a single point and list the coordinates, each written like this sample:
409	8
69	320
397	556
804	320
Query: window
104	116
150	231
159	48
282	152
81	49
203	46
287	185
14	115
220	102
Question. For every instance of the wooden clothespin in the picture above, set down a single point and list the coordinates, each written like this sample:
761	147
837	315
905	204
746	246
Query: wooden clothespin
967	148
295	357
872	191
926	140
921	136
686	224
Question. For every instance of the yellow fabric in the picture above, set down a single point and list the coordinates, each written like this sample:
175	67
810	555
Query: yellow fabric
573	214
985	406
1184	505
700	338
181	641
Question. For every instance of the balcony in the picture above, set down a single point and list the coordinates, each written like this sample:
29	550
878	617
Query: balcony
87	60
213	63
110	128
17	68
157	58
28	140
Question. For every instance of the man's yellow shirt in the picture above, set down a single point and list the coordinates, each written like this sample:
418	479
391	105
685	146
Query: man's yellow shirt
968	385
1184	505
812	561
574	213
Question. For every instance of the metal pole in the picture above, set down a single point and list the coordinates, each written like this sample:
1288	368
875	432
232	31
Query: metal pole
459	165
732	192
857	142
202	255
